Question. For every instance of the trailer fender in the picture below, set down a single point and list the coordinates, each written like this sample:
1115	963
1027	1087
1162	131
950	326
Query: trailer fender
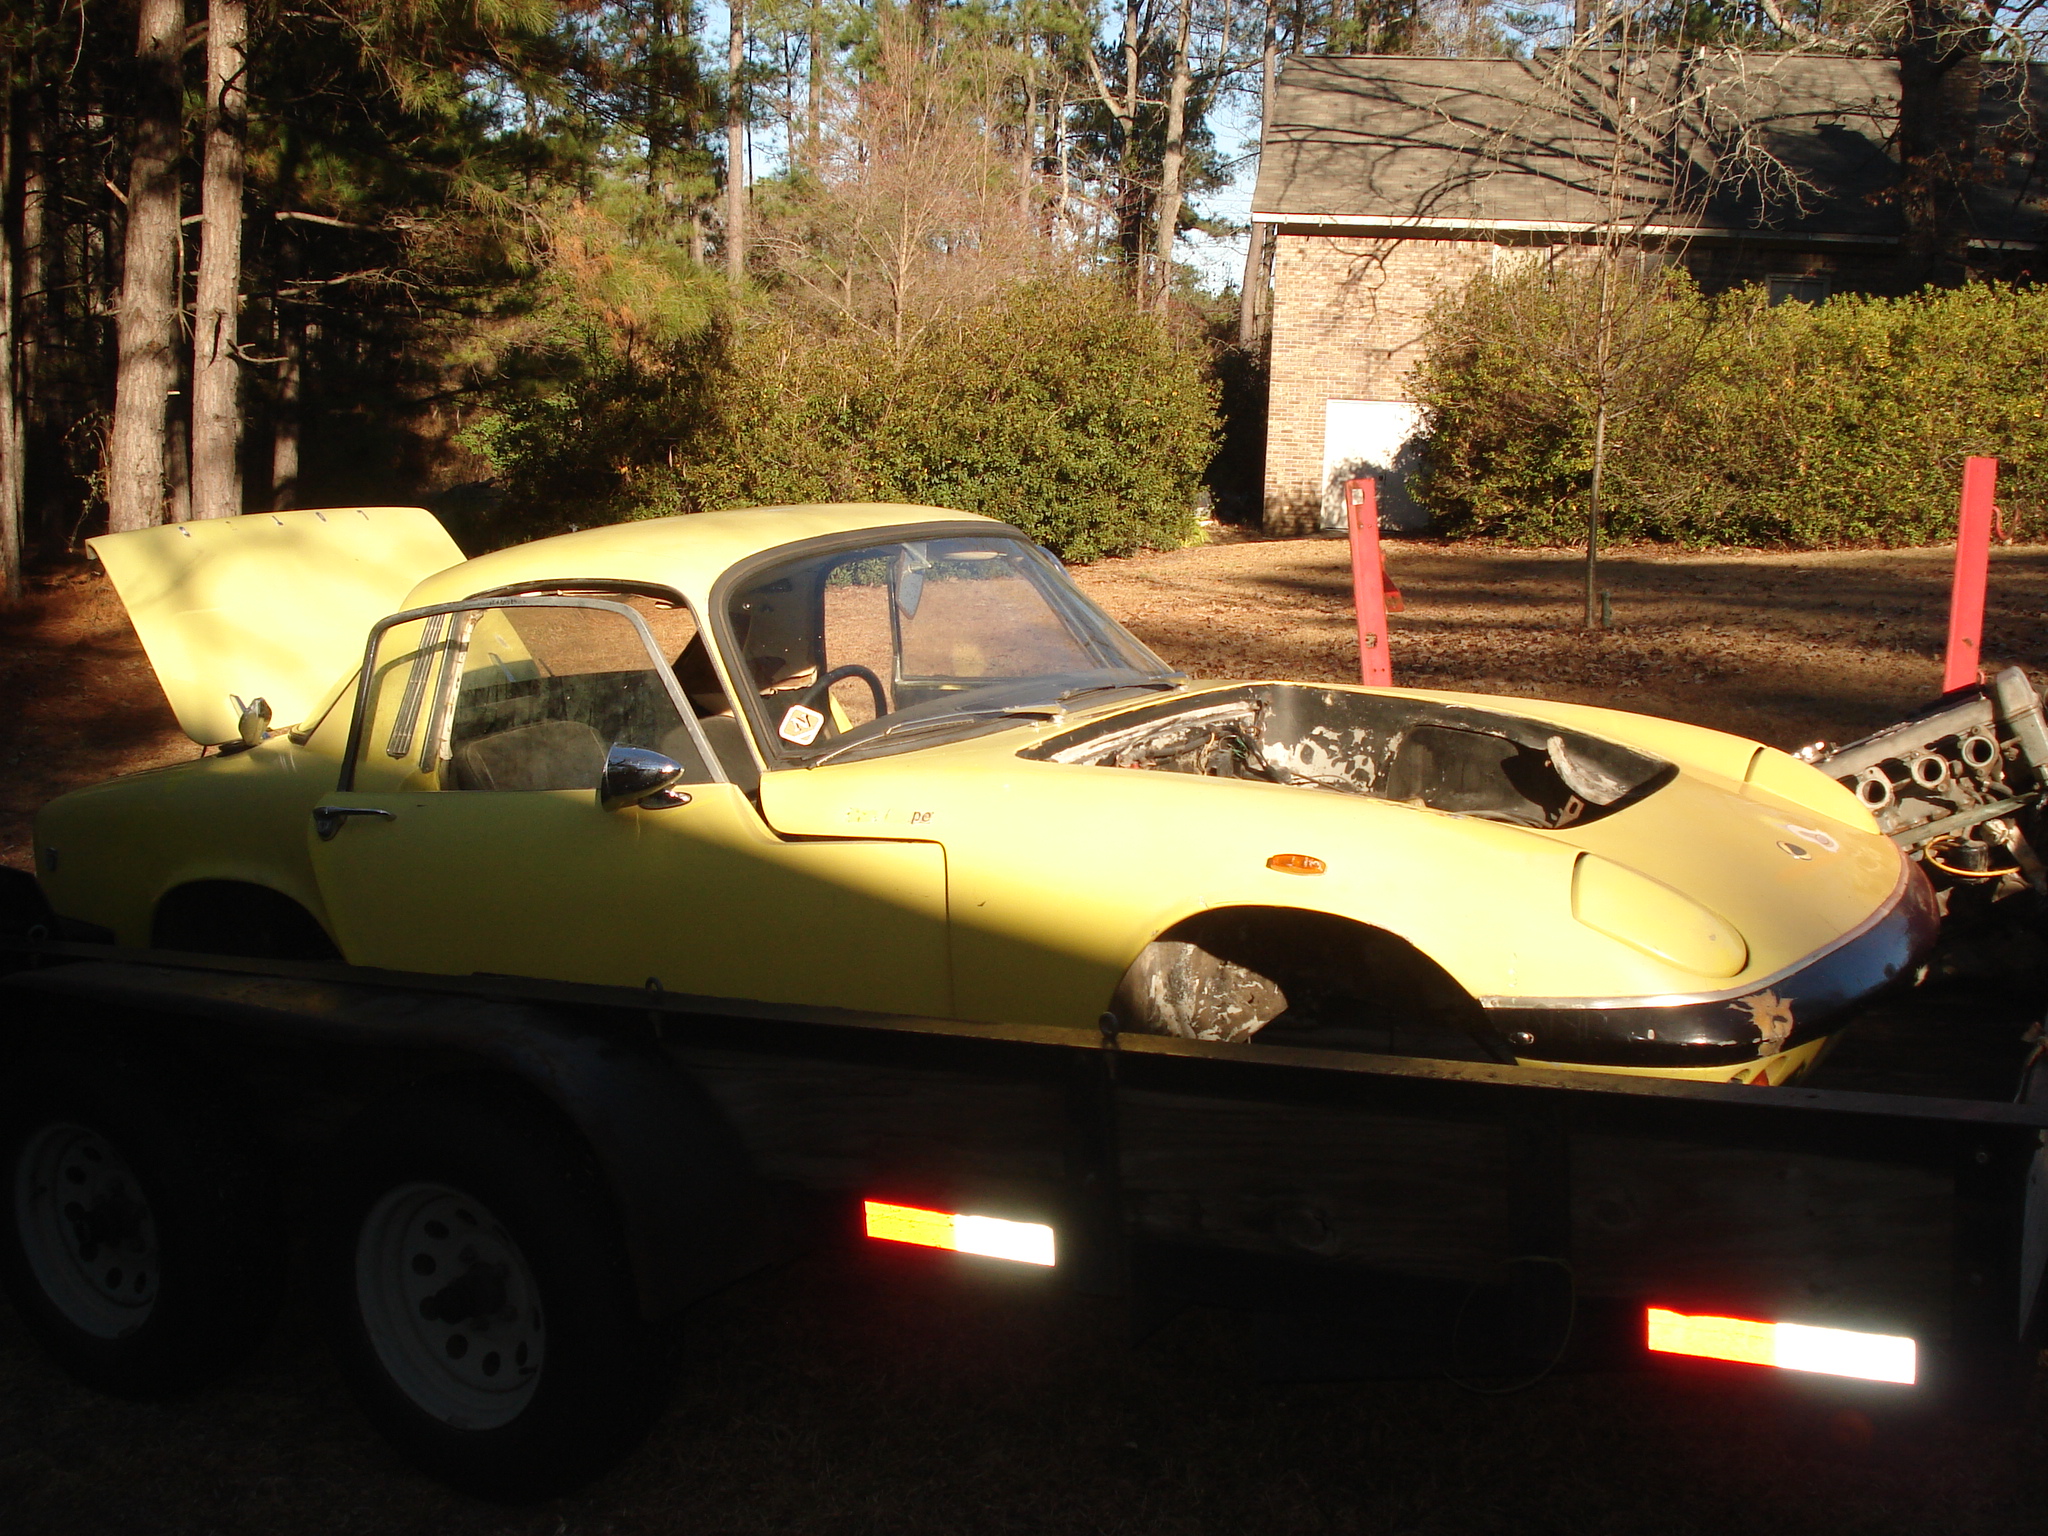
679	1173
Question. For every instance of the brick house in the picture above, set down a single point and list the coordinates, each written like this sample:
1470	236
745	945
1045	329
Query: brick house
1387	181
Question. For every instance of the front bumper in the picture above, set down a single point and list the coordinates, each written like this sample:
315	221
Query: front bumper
1720	1031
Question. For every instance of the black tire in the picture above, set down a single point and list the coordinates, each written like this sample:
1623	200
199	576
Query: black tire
481	1300
142	1242
23	907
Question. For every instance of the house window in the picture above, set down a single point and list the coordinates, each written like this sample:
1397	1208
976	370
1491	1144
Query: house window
1512	260
1796	288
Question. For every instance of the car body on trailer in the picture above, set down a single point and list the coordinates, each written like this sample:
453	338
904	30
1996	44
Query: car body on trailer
623	911
891	759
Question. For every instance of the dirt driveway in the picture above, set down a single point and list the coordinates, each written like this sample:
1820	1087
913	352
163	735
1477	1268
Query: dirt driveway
1783	648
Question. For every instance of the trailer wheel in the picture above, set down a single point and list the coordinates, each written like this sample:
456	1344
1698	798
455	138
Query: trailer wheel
142	1244
481	1301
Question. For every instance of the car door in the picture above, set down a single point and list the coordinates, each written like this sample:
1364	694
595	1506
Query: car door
467	836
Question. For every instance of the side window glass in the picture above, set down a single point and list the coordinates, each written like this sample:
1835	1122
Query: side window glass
542	695
678	637
515	699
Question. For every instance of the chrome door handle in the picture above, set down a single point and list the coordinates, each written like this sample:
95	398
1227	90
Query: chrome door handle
328	819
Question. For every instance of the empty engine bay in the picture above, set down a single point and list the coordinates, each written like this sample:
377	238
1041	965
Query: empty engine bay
1452	758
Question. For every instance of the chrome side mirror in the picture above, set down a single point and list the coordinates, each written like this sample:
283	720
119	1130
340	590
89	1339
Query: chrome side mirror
636	776
252	726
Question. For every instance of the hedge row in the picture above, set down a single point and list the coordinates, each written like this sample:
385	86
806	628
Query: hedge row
1055	408
1842	423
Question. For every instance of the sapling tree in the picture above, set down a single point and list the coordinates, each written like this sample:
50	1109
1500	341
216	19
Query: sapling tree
1644	140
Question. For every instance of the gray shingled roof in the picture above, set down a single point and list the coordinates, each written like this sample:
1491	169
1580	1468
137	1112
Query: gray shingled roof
1710	141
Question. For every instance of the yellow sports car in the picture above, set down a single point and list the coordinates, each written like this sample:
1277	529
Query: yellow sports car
890	758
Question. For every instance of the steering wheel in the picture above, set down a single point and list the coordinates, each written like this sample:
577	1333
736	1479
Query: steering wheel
814	696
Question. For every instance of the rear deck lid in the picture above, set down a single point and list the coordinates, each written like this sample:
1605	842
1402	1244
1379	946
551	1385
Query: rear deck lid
271	605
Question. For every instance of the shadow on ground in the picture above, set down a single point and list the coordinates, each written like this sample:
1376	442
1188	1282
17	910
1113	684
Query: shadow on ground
887	1395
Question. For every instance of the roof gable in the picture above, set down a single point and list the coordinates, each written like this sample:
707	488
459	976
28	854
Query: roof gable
1699	141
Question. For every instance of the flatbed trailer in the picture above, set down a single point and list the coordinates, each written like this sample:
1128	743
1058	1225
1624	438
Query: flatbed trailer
1483	1221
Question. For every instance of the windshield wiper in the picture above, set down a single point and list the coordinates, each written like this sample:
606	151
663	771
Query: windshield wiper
1050	710
1164	684
951	717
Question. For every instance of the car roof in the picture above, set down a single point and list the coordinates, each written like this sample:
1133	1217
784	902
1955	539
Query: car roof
687	553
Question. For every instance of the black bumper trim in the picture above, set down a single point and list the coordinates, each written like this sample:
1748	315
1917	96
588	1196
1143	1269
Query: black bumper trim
1732	1028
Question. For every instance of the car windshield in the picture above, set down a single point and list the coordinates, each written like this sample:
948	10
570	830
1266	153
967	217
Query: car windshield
890	644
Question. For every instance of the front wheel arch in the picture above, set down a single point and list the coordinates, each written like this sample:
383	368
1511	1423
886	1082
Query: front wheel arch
1300	977
238	917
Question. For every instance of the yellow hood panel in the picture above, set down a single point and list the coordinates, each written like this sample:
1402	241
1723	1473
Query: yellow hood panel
271	605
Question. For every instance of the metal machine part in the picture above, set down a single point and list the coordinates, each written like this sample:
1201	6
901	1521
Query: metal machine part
1449	757
1959	783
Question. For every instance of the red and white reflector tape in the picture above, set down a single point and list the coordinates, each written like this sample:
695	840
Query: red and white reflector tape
1027	1242
1787	1346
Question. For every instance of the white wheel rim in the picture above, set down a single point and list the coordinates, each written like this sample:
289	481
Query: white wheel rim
450	1305
86	1229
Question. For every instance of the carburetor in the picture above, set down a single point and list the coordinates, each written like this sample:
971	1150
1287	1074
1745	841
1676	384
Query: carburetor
1957	783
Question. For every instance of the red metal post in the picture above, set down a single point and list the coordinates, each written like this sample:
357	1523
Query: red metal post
1973	558
1368	582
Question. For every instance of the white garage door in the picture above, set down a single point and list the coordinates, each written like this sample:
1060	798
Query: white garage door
1371	437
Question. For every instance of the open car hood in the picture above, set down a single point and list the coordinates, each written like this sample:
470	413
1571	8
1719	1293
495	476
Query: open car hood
270	605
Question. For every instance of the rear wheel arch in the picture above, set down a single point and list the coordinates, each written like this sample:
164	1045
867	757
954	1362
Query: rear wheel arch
1303	977
238	917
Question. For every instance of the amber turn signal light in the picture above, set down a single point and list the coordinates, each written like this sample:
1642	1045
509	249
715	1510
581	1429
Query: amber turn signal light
1297	864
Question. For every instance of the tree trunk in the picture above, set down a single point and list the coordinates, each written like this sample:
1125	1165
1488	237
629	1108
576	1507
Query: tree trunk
1170	166
13	440
658	124
1593	516
1027	135
1053	210
1604	371
1251	292
147	368
38	256
178	463
216	371
1941	76
1130	227
735	144
814	104
286	414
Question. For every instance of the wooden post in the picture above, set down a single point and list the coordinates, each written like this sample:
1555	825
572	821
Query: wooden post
1973	557
1368	582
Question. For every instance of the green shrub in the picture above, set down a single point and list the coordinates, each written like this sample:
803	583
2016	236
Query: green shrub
1834	424
1054	408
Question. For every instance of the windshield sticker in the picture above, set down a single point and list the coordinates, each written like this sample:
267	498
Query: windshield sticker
801	725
